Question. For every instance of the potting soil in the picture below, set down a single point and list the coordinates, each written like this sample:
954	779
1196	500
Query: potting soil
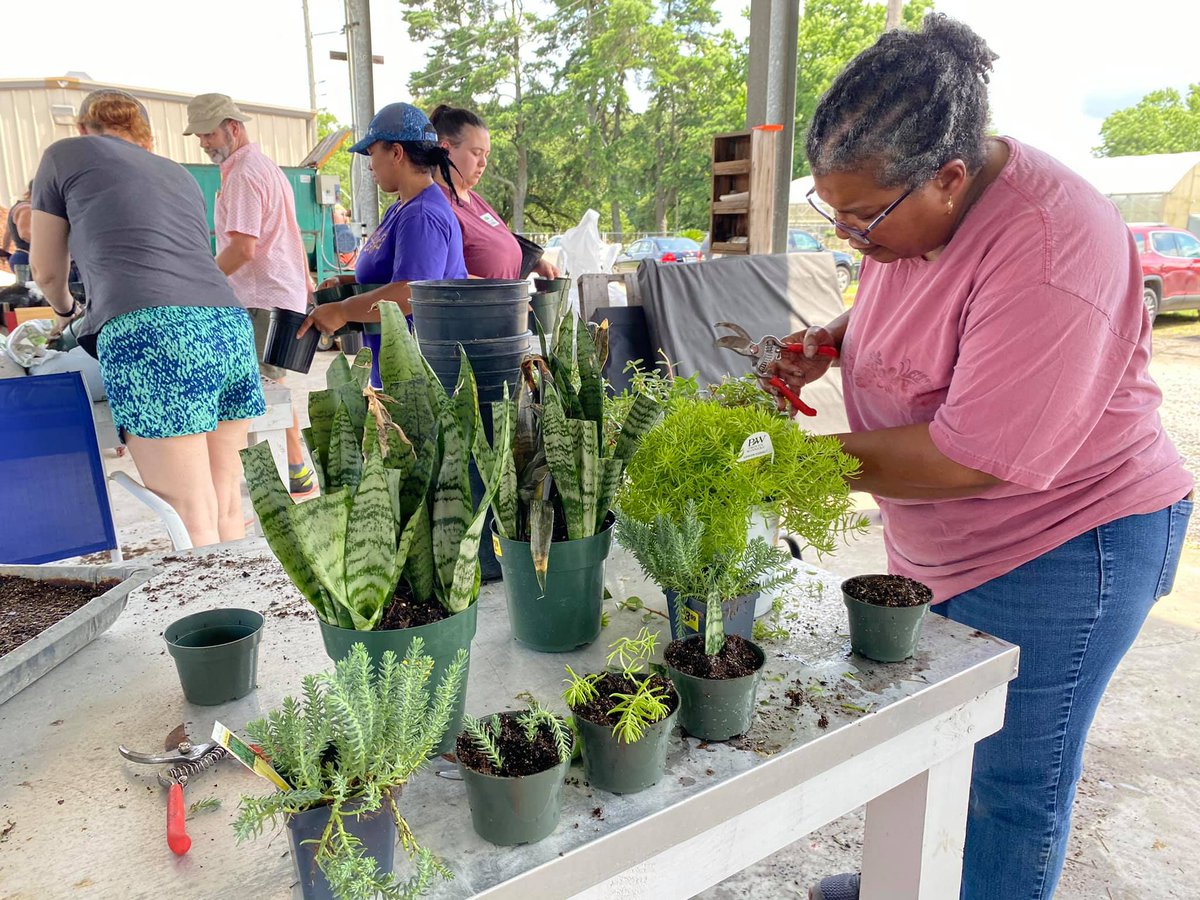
520	756
405	612
735	660
887	590
29	606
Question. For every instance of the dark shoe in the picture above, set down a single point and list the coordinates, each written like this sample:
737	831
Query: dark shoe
300	480
835	887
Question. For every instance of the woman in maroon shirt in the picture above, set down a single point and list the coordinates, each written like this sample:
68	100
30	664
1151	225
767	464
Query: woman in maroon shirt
489	247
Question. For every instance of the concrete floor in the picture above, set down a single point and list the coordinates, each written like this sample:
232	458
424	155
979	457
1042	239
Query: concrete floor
1137	826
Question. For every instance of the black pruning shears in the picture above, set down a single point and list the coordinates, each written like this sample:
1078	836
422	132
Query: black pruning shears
765	351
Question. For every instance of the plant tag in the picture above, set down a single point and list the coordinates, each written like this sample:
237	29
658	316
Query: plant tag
756	446
691	619
247	756
496	545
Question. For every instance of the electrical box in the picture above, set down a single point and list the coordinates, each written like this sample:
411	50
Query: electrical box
327	189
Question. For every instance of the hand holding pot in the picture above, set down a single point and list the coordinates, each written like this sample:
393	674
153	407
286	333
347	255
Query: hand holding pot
545	269
327	319
335	281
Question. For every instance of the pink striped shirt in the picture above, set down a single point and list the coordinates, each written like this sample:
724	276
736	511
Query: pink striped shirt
256	199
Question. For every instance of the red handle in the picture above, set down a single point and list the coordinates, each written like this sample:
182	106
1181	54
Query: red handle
792	397
177	837
823	350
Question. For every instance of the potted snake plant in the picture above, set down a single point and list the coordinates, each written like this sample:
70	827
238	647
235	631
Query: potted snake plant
556	477
389	552
344	751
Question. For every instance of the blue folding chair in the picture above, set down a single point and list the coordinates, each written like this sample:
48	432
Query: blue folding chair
54	501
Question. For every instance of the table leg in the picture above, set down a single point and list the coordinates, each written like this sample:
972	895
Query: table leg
913	845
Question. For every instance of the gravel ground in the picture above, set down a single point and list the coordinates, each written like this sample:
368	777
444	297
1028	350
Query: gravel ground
1176	368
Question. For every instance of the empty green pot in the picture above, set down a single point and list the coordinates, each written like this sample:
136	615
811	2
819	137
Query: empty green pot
442	640
883	633
717	709
216	654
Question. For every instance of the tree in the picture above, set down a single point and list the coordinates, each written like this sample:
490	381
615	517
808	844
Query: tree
1161	122
833	32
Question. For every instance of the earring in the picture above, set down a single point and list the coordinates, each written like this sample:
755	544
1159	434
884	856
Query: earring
950	206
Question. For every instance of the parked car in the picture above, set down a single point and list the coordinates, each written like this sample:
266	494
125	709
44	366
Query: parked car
552	249
1170	267
663	249
844	264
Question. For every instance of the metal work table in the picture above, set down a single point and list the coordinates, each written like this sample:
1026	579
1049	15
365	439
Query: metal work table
833	731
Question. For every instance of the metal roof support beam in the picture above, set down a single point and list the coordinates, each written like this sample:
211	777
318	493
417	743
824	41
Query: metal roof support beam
362	102
771	92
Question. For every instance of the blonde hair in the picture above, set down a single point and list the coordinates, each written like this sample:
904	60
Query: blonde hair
119	114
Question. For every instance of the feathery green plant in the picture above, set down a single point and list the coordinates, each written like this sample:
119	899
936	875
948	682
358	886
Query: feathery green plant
634	712
396	496
353	739
486	735
485	738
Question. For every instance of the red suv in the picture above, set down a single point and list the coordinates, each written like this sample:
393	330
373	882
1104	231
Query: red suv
1170	267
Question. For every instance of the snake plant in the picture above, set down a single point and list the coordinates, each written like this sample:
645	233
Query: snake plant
395	491
550	459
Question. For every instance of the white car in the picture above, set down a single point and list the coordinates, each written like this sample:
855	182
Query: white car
552	249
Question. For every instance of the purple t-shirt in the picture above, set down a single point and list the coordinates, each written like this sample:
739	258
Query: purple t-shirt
417	241
1026	347
489	247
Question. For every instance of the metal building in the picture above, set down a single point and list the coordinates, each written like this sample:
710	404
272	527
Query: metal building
35	113
1159	187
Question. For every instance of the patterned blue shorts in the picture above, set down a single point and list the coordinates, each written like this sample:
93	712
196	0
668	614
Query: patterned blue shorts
176	370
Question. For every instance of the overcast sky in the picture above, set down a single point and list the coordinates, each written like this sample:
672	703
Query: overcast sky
1064	64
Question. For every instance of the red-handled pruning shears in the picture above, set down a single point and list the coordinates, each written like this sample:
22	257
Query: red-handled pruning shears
765	351
189	759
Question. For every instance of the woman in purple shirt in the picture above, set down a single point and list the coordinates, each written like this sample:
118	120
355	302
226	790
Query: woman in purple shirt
489	247
419	238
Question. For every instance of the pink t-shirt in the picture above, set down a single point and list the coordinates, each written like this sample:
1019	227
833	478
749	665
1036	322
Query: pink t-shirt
489	247
256	199
1026	347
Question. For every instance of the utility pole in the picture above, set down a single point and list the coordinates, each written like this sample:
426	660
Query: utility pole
895	15
365	195
312	79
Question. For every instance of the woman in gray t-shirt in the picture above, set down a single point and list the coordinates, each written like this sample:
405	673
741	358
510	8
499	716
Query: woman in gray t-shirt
176	349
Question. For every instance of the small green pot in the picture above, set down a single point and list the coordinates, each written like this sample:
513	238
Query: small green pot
620	768
567	615
883	633
376	831
216	654
717	709
442	641
508	811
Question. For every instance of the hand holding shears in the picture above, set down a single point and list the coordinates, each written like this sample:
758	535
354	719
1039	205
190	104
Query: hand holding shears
765	352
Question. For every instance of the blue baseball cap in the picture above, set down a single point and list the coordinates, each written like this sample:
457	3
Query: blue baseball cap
397	122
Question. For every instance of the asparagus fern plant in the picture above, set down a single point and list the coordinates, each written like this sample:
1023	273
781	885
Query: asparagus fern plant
486	734
393	466
648	699
551	458
348	744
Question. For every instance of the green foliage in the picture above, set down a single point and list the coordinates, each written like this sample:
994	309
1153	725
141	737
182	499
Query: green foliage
692	455
581	689
632	654
638	711
635	712
485	736
537	719
770	627
1163	121
394	471
671	552
530	724
348	744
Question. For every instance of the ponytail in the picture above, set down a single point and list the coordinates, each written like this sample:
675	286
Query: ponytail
432	157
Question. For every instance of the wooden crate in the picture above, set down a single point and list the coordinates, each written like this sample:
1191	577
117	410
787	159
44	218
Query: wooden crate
743	163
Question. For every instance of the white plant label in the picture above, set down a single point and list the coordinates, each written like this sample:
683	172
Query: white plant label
756	446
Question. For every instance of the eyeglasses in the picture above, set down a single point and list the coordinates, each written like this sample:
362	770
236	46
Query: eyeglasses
860	234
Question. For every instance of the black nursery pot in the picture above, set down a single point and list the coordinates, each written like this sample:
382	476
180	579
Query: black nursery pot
283	349
376	830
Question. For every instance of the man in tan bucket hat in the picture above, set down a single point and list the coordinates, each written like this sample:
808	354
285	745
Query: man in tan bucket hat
258	240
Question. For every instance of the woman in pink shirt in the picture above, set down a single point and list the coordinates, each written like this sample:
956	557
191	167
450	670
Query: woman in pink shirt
996	373
490	249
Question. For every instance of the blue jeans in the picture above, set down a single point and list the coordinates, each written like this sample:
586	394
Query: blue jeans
1073	611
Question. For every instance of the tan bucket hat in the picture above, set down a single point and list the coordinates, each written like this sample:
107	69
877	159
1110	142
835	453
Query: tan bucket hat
207	111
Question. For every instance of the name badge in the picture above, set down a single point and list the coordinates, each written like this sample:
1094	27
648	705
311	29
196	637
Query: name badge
490	219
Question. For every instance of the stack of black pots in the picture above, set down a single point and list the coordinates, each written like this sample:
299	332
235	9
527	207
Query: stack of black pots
489	317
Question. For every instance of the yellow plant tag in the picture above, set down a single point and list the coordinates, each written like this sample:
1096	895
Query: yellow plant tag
691	619
247	756
496	545
756	446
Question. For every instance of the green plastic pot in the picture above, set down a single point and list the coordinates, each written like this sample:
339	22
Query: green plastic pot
508	811
566	616
883	633
551	285
545	311
717	709
442	640
376	831
621	768
216	654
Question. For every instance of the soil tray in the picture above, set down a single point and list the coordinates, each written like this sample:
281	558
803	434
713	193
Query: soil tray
31	660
